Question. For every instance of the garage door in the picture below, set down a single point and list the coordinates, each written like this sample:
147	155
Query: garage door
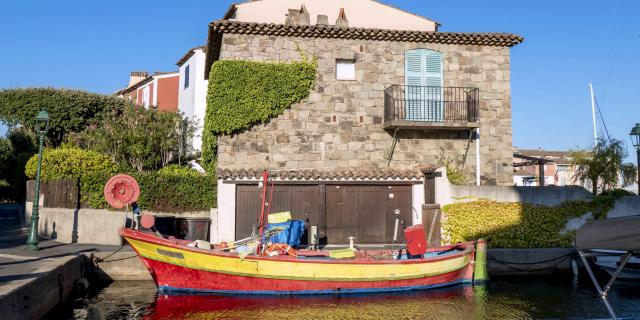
366	212
303	201
363	211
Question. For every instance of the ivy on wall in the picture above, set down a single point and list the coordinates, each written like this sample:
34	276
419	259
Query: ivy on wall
518	225
242	94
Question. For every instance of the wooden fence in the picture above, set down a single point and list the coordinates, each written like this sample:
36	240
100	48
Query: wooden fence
62	193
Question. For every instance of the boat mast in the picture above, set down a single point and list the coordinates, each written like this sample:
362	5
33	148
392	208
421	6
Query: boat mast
593	114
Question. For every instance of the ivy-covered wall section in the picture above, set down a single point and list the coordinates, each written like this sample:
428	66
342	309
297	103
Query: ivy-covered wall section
245	93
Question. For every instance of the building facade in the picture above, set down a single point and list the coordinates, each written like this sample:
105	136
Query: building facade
387	99
159	90
192	90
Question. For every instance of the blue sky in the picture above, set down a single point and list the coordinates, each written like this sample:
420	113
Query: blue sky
93	45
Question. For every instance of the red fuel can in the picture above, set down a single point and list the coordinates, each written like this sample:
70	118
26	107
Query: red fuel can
416	240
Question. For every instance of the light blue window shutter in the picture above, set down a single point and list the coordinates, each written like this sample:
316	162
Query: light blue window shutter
414	84
434	108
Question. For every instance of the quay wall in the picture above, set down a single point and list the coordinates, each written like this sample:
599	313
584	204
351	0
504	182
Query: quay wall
94	226
51	284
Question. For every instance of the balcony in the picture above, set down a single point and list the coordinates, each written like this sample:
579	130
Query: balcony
431	108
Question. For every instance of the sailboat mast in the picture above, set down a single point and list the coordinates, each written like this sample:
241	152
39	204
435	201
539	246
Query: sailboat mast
593	114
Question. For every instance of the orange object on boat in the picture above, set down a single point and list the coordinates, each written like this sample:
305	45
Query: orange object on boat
280	249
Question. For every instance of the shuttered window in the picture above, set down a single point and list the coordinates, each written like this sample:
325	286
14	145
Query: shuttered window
423	85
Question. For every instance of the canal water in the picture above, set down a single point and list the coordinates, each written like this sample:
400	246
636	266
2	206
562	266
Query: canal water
512	298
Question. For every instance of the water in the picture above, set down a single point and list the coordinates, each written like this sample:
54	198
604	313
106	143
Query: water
513	298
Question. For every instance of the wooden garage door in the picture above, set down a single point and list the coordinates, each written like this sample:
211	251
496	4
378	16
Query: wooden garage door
366	212
303	201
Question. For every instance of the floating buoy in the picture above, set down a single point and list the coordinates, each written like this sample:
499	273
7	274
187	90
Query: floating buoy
121	190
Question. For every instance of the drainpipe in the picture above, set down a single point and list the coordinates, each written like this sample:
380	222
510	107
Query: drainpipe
477	156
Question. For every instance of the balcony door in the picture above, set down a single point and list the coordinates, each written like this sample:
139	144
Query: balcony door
424	99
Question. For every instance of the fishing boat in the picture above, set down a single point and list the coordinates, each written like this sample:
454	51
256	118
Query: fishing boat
265	267
176	267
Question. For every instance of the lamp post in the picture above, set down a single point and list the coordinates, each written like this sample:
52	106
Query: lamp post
635	140
42	126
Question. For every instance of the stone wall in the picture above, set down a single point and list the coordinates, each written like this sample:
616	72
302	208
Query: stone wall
307	137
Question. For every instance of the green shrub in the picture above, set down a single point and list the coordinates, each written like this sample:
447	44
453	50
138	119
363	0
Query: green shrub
244	93
455	176
517	225
176	170
158	192
69	163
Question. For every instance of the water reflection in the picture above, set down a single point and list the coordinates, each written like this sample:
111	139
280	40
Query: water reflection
502	299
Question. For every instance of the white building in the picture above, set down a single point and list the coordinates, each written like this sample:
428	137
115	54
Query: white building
192	90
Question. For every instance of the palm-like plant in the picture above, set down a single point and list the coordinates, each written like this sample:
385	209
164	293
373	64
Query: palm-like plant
600	166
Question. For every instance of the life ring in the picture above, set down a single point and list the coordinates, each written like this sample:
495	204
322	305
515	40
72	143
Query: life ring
121	190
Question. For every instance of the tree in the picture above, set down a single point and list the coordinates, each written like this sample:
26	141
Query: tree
69	110
600	166
140	139
629	174
15	151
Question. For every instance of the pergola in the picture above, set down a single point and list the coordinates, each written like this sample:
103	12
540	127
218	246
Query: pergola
532	161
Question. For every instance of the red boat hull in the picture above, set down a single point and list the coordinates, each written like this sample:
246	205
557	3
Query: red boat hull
171	277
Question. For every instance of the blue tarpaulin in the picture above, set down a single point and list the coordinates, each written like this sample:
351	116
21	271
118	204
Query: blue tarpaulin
292	233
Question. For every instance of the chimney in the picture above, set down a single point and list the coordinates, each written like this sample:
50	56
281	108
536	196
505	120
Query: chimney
342	21
137	76
298	17
323	20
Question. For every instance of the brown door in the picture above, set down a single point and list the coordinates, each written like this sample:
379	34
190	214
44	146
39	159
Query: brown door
302	201
366	212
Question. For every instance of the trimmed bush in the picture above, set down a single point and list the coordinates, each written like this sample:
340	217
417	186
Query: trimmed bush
244	93
69	110
158	192
69	163
518	225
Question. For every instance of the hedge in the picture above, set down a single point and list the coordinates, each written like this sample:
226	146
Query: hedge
69	110
175	189
158	192
518	225
242	94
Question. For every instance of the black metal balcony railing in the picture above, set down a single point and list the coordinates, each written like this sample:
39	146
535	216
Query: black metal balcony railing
431	104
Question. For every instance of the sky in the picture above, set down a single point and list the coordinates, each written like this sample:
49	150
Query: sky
94	45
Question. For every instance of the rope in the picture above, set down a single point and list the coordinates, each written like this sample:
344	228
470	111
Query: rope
556	260
99	260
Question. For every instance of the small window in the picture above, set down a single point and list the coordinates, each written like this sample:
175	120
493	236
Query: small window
345	69
186	77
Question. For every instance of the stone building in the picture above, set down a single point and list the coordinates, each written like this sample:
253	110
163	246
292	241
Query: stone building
387	100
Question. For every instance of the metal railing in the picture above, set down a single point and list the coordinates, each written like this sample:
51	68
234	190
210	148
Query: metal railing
431	104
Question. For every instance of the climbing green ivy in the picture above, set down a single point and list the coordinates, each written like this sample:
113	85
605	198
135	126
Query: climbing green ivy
244	93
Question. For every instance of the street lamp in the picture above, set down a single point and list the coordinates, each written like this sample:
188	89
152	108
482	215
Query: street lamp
635	140
42	126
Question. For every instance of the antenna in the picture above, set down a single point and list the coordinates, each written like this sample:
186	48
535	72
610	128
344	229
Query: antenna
593	114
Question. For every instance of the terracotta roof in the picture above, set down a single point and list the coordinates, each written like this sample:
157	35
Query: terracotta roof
321	31
325	175
189	53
